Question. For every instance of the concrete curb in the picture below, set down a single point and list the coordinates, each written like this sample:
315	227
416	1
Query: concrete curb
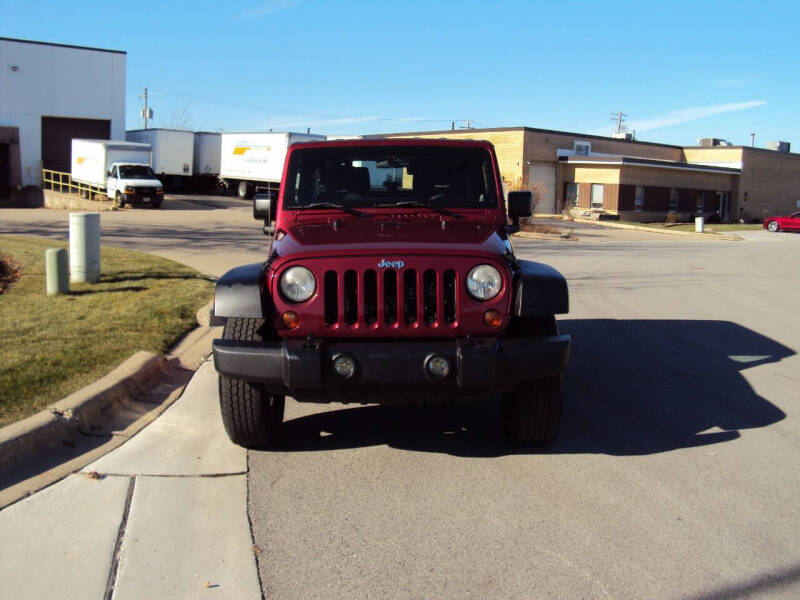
704	236
83	408
79	410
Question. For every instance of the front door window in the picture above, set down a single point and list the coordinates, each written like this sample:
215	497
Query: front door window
597	195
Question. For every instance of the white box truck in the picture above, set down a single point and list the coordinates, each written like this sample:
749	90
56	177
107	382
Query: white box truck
254	161
173	153
120	170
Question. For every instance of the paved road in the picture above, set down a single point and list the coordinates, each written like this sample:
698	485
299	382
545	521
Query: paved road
208	233
676	474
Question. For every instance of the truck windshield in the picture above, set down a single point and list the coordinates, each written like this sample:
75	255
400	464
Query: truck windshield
438	177
136	172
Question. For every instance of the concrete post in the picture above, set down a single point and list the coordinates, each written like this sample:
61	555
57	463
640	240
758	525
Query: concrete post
84	247
699	224
55	267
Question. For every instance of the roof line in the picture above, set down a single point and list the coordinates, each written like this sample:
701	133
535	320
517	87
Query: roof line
633	161
8	39
531	129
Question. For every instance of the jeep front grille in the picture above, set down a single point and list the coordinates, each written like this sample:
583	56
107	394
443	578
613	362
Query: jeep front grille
390	297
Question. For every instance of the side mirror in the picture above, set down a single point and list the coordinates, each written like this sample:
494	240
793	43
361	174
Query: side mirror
109	174
264	210
520	204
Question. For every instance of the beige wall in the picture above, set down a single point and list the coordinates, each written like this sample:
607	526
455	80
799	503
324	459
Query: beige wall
716	154
507	145
771	181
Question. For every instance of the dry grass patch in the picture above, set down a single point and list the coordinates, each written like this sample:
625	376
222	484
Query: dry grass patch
54	345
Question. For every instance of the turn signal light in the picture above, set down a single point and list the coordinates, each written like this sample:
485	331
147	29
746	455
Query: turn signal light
290	320
492	318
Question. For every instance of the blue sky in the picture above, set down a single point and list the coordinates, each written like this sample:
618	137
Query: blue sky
679	70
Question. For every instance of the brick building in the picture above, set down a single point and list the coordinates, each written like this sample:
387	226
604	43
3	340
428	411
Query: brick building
639	181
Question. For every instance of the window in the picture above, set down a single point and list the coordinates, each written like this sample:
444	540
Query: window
673	199
701	202
375	176
583	148
638	199
572	194
597	195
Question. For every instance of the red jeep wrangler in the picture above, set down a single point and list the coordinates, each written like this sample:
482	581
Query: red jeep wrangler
391	279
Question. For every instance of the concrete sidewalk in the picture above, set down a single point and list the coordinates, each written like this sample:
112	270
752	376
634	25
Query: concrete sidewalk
162	516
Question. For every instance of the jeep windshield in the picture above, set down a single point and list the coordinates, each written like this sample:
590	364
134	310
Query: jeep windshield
433	177
136	172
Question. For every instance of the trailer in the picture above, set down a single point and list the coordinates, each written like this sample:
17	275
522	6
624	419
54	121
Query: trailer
205	171
251	162
173	153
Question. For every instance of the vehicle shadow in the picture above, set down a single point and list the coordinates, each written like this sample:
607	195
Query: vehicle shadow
633	387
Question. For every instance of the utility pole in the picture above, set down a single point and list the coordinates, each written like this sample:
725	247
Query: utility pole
619	117
752	139
146	113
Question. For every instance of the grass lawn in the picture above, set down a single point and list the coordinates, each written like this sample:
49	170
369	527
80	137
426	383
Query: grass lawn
55	345
709	227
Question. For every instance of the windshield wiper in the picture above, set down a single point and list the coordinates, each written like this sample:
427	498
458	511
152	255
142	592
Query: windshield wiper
427	204
344	207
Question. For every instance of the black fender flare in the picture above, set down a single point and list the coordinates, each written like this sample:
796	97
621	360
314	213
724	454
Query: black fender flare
240	293
539	290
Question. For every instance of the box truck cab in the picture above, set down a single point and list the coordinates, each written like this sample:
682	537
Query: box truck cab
133	182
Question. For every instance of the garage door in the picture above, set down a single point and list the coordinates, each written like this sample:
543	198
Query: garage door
542	178
57	135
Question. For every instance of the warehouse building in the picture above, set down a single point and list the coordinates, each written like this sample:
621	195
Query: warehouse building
52	93
640	181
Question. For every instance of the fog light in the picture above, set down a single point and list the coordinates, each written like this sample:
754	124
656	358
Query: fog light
438	365
290	320
344	365
492	318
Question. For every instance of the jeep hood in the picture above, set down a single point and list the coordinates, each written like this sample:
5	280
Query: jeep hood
389	236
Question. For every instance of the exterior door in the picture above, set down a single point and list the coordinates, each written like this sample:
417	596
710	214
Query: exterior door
723	201
542	180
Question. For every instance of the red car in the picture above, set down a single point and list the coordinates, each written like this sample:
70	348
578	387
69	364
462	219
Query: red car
788	223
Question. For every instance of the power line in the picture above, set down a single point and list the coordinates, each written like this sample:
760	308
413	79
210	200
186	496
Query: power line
288	111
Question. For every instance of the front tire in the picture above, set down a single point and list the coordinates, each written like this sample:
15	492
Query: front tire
119	201
252	416
773	226
532	414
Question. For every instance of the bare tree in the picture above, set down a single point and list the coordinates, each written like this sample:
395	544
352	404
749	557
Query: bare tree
181	118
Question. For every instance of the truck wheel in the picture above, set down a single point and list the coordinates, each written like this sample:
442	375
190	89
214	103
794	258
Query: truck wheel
531	415
245	190
119	201
156	203
252	417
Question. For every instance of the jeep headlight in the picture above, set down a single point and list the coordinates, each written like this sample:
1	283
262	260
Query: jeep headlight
298	284
484	282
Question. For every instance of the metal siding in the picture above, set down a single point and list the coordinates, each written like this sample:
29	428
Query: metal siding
542	178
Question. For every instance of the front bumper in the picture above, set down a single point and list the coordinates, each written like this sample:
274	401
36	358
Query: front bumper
390	371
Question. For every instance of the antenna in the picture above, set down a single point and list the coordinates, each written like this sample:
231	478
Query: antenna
752	139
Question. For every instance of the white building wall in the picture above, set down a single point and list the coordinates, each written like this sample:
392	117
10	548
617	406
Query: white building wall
57	81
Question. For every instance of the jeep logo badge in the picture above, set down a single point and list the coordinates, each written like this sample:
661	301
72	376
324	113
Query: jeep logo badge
391	264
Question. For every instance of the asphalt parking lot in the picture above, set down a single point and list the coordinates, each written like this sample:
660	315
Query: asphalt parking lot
676	473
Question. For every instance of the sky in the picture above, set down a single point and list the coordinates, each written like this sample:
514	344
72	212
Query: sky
678	70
